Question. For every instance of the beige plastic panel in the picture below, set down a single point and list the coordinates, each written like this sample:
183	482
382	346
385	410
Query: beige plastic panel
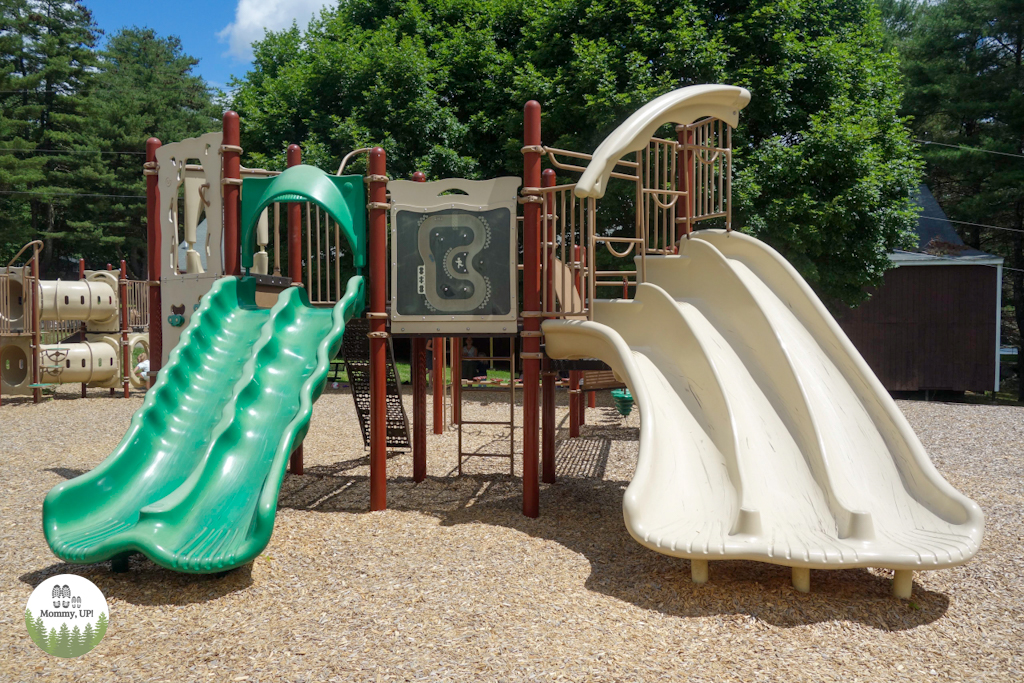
15	366
180	296
182	285
764	436
476	195
173	159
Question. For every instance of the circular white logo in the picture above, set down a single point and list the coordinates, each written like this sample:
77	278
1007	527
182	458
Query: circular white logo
67	615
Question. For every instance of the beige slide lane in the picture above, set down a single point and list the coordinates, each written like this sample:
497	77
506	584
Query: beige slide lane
764	435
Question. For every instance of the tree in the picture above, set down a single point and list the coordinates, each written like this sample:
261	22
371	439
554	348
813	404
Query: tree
49	64
88	637
144	88
825	167
37	635
63	648
101	629
965	78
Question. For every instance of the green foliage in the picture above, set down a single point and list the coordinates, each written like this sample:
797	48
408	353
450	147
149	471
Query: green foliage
96	109
35	630
965	77
46	64
101	628
825	167
148	91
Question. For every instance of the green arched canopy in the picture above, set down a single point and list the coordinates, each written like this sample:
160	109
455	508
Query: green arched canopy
340	196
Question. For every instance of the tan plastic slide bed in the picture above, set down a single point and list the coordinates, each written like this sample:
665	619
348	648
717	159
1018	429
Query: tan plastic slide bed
764	435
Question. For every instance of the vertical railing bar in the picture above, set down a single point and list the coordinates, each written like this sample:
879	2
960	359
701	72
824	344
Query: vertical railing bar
309	254
592	256
337	261
728	185
277	239
545	303
319	276
567	234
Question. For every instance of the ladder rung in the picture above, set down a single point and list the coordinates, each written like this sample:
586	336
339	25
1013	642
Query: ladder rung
506	423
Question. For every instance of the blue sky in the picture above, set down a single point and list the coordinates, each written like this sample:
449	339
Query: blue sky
217	32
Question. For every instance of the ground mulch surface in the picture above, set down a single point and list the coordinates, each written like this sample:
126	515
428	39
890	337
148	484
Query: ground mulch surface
452	583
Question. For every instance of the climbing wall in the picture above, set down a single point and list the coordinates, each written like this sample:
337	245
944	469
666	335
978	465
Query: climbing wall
356	351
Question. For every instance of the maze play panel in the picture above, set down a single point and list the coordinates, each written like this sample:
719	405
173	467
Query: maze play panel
453	256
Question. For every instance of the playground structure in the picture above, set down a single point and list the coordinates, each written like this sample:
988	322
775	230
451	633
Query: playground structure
764	436
93	325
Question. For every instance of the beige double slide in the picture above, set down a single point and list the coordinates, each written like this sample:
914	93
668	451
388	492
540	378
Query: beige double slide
764	435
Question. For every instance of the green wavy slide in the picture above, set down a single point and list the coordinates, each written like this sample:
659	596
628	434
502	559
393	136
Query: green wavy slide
194	483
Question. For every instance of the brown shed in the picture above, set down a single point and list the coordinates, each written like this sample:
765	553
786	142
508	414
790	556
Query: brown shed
934	322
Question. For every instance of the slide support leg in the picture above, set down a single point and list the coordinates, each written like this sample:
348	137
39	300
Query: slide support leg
802	579
699	571
903	583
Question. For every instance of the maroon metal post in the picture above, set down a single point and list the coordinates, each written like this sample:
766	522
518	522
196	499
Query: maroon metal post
294	158
419	409
531	309
156	342
547	449
232	193
438	380
126	354
37	392
419	395
111	267
378	327
456	343
81	276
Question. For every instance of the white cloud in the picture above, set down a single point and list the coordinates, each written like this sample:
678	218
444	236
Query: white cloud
253	16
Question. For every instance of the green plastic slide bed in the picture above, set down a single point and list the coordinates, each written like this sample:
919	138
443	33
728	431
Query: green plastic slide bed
194	483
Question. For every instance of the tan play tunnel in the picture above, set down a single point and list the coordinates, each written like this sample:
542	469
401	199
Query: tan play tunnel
85	300
89	362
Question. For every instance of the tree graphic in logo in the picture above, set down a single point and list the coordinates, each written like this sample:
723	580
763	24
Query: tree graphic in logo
77	621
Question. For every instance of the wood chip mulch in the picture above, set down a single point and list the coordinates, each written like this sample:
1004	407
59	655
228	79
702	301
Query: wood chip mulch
452	583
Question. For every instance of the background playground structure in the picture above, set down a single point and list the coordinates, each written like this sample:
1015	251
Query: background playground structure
87	331
764	436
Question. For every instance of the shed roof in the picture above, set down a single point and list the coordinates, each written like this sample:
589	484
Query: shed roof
937	241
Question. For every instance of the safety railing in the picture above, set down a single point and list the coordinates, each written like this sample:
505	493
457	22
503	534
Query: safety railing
138	304
323	251
5	303
706	146
56	331
678	183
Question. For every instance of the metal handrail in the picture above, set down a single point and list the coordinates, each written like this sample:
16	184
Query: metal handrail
36	244
344	162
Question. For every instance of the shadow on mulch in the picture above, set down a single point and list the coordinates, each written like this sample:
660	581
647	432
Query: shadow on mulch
65	472
147	583
584	515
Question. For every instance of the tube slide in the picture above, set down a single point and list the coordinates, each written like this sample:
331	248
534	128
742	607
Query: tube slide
764	434
194	483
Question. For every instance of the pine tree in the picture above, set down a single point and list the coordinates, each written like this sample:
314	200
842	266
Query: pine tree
101	629
145	88
64	641
52	642
50	61
33	630
76	645
965	72
88	637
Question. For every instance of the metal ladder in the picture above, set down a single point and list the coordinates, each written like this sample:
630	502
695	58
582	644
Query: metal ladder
511	388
